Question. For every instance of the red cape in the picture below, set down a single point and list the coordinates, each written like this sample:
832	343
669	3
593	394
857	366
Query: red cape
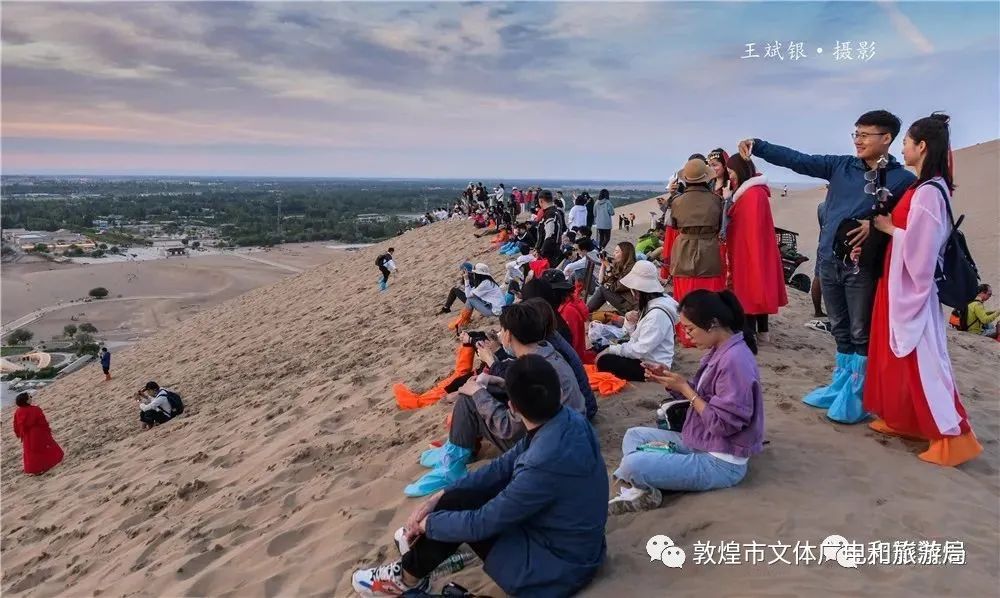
41	451
754	261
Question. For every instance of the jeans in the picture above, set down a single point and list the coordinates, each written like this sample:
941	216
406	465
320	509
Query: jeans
481	306
848	298
685	470
385	273
425	554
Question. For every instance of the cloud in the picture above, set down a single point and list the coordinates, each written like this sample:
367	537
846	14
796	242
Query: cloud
906	27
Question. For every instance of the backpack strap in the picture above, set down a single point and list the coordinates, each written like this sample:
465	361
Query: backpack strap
947	205
673	322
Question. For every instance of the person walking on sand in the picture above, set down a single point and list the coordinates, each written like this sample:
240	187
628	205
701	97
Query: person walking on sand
106	363
40	450
386	266
848	288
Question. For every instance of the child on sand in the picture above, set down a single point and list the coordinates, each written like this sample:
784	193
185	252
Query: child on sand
386	266
545	497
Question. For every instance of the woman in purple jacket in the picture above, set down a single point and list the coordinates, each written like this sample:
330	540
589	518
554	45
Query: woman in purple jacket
725	421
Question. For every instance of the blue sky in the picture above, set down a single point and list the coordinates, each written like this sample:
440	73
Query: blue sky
594	90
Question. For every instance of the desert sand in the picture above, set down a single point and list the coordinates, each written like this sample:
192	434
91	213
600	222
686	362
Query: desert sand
286	471
145	296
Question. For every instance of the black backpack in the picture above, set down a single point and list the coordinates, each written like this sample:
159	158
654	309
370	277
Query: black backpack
176	404
956	274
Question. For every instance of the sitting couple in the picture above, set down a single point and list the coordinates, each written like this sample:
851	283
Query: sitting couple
536	514
724	425
482	408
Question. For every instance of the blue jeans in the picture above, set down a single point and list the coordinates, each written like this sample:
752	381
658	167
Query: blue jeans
481	306
848	298
685	469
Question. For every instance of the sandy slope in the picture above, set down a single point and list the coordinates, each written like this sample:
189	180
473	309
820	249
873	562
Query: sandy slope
287	470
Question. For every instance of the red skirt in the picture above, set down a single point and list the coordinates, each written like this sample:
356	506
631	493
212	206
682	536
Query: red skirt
669	235
685	284
893	390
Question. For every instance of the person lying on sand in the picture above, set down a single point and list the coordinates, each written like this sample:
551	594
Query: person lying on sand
157	405
478	413
724	425
545	497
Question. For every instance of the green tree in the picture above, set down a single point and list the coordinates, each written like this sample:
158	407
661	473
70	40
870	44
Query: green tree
196	244
98	293
41	248
20	336
97	253
69	330
88	328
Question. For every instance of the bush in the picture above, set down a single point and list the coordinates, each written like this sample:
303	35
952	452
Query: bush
102	246
97	253
115	250
69	330
88	349
196	244
41	247
20	336
88	328
98	293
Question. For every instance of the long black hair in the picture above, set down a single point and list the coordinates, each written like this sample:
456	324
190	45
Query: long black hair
603	195
706	309
537	288
934	131
644	299
475	279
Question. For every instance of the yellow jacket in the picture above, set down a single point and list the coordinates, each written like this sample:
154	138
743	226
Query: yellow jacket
977	316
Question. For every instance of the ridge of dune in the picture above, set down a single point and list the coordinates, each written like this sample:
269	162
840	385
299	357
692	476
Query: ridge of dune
286	470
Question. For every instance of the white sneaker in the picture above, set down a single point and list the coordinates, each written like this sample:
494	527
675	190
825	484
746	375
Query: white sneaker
631	500
386	580
401	544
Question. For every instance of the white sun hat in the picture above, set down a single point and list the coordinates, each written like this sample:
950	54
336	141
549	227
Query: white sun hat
643	277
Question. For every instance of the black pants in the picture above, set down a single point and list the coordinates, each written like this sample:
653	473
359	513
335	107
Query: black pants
153	417
603	237
453	294
425	554
625	368
385	273
757	323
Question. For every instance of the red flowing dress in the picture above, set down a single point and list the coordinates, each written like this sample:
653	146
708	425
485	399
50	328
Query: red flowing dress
41	451
893	389
753	258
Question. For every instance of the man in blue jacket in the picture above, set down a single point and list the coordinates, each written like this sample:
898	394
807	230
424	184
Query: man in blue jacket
535	516
848	293
106	363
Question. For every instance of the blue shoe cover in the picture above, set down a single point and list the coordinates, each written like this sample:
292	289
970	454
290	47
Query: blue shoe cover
847	408
823	396
451	469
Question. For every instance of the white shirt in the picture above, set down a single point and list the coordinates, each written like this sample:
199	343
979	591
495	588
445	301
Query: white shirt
652	337
514	268
581	263
578	216
490	293
160	402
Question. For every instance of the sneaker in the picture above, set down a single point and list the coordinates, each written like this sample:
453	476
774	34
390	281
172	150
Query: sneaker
444	310
386	580
633	500
400	539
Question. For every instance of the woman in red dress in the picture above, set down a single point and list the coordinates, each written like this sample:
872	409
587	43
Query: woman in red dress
909	383
41	451
753	259
718	160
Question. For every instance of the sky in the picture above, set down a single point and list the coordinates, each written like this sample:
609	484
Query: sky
484	91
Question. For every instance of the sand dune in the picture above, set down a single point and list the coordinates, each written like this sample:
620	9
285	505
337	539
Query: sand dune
286	471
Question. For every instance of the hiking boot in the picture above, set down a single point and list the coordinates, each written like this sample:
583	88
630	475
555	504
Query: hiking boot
444	310
633	500
386	580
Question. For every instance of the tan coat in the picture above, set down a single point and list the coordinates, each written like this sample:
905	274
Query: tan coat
697	215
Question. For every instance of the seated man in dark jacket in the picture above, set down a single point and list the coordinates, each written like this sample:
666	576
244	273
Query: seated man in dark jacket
535	515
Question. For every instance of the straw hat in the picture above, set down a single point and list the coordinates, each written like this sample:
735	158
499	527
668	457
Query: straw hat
696	171
481	268
643	277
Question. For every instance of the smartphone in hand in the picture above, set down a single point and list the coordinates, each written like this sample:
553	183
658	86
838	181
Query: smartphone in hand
656	369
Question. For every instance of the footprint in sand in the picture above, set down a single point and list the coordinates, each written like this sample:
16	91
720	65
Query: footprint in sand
286	541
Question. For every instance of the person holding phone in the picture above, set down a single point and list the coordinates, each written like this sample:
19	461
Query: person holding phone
724	426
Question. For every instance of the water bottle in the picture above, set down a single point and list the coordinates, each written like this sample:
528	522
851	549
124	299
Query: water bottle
453	564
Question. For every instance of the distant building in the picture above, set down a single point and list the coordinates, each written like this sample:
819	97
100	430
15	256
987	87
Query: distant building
369	218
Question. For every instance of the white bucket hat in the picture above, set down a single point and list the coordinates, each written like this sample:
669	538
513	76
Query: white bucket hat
643	277
481	268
